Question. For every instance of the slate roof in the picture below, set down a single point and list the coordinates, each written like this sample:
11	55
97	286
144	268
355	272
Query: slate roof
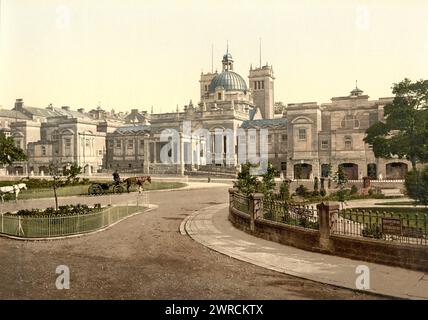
13	114
264	123
55	112
133	129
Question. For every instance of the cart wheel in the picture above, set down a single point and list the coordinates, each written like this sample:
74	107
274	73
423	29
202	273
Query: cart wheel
118	189
97	189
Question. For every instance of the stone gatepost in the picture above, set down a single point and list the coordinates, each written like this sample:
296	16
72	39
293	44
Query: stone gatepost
256	208
327	216
231	193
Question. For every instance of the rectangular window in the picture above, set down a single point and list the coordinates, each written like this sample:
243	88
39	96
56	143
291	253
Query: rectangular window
100	152
255	85
141	143
283	166
67	142
111	144
284	137
324	144
263	84
269	138
118	144
348	145
130	144
302	134
219	96
43	151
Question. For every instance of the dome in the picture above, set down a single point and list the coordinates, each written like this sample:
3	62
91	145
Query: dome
229	80
357	92
227	56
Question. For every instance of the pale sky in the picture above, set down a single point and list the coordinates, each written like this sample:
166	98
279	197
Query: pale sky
138	53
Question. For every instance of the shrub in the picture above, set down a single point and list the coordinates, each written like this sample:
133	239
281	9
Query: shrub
323	193
302	191
67	210
284	190
416	184
354	189
372	231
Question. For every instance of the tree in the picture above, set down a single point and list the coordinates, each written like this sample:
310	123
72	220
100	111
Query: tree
9	151
416	184
62	177
316	187
268	180
404	133
284	190
340	179
246	183
72	173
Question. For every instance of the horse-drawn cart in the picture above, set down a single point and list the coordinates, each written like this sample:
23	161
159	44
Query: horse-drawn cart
104	188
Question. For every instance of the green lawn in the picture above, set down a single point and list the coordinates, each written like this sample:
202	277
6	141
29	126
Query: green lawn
33	193
56	226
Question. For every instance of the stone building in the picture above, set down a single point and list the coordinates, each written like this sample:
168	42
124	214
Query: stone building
304	140
66	140
311	137
208	130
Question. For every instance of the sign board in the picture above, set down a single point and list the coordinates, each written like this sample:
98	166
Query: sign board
391	226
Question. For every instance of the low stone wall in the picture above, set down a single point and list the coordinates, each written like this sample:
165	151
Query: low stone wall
274	231
400	255
371	250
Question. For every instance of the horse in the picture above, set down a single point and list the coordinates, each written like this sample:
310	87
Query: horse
12	189
139	181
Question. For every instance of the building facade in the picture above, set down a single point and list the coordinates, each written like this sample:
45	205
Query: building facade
304	140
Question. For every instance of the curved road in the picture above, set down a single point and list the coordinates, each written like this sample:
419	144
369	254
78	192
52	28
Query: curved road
145	257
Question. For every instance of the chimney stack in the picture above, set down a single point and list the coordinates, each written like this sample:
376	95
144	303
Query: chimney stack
19	104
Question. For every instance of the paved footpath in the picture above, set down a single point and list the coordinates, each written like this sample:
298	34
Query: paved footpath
211	227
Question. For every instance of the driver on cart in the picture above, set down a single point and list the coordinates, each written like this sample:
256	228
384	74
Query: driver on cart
116	177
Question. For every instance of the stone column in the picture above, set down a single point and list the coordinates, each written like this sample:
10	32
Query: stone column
327	217
181	159
146	156
155	154
256	208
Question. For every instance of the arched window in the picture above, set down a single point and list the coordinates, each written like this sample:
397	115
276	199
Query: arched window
350	122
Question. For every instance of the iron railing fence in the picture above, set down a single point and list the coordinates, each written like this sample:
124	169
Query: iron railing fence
58	226
302	215
410	227
240	202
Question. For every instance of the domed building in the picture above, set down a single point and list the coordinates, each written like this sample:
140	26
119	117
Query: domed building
218	90
226	86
